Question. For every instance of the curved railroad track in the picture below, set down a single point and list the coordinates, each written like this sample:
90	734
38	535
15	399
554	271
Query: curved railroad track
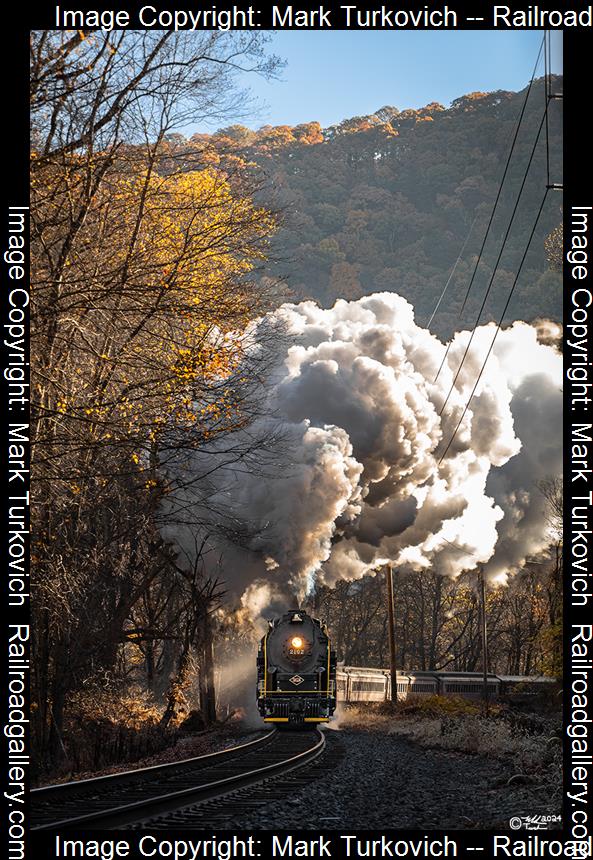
124	799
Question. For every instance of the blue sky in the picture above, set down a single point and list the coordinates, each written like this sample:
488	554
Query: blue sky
332	75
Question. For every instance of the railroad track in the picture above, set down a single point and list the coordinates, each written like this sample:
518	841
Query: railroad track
125	799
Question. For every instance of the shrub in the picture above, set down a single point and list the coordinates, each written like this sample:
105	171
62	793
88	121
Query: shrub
435	706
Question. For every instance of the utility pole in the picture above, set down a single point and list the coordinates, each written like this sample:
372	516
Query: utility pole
391	624
484	639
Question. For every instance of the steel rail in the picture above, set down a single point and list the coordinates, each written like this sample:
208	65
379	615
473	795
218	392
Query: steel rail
119	814
66	788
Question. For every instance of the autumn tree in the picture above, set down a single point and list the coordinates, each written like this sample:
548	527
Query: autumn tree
144	272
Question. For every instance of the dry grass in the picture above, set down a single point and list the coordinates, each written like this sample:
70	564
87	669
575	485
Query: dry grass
532	747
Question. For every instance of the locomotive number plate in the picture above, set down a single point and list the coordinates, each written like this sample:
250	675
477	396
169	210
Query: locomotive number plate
296	679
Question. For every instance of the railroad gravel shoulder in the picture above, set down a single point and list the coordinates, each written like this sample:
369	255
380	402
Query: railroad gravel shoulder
385	781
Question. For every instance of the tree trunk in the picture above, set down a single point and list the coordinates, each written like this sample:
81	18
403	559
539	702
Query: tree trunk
57	751
207	687
176	687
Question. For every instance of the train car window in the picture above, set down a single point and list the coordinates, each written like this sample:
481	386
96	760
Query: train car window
368	686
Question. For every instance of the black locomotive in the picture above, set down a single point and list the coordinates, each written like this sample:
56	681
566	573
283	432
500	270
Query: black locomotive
296	671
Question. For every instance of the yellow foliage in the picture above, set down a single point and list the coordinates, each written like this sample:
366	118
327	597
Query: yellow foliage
156	291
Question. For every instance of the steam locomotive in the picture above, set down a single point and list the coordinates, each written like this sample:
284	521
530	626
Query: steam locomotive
296	671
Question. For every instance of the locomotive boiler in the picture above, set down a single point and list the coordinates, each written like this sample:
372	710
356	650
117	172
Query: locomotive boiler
296	671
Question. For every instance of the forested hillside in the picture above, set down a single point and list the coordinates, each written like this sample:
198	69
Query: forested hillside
387	201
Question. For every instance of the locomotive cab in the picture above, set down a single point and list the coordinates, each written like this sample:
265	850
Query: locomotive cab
296	671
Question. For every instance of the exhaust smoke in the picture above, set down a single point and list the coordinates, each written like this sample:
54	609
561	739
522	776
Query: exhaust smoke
356	476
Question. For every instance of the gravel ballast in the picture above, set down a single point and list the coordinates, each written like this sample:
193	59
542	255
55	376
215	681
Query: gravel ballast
384	781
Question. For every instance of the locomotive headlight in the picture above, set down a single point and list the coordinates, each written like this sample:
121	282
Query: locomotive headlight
296	642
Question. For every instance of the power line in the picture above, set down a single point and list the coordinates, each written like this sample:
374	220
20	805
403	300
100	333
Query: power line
547	90
531	235
510	155
504	241
452	273
504	175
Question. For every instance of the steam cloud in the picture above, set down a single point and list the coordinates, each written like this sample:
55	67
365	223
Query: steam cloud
354	479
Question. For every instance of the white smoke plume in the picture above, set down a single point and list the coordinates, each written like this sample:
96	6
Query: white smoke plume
357	474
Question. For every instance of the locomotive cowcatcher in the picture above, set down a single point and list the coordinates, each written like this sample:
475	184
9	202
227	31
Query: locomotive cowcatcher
296	671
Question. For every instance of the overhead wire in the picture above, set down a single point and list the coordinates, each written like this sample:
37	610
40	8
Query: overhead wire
547	91
547	48
498	327
506	168
492	277
500	187
442	296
